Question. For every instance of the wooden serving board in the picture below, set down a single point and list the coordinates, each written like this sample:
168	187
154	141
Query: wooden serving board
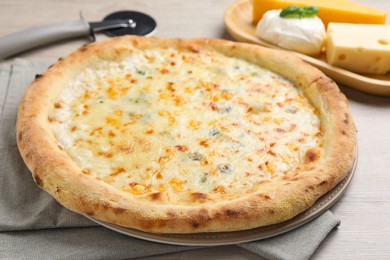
238	22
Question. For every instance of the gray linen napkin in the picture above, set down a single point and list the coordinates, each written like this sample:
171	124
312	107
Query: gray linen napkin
34	226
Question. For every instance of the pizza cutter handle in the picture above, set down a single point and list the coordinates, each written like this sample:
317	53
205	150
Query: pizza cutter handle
38	36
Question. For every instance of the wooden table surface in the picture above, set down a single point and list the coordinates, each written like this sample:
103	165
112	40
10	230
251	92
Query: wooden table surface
364	210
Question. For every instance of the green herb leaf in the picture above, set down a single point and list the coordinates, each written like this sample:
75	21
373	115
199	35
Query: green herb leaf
290	11
310	11
294	11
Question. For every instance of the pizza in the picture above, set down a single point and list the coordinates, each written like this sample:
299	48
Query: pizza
185	135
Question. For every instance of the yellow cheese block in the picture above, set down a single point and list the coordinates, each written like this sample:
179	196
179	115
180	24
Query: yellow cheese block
340	11
361	48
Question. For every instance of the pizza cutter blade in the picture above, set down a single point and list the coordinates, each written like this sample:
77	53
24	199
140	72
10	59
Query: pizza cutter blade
115	24
139	24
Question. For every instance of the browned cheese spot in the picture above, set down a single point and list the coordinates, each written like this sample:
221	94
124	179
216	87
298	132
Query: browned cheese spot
264	196
198	196
162	223
117	171
181	148
171	214
29	154
38	180
135	43
324	183
20	136
84	48
346	120
85	172
232	213
90	213
195	224
200	218
147	225
104	205
118	210
312	155
193	49
155	196
164	71
310	188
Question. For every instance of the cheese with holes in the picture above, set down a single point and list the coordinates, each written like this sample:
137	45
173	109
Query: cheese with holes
361	48
340	11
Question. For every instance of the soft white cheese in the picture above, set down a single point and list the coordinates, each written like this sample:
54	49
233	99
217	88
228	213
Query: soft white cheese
304	35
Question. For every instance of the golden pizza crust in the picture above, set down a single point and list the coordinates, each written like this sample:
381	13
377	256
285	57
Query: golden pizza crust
55	172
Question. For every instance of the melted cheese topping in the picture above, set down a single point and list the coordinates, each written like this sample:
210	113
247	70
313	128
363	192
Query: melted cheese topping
184	122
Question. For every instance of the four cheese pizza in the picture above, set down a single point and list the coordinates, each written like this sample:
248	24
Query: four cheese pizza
185	135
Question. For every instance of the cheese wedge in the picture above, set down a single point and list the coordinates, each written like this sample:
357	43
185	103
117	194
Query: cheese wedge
340	11
361	48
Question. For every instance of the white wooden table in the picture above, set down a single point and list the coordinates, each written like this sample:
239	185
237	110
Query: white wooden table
364	210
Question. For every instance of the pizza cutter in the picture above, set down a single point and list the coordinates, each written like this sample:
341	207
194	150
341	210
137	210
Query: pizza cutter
115	24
